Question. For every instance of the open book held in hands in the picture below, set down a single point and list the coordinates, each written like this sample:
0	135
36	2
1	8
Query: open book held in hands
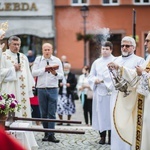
54	67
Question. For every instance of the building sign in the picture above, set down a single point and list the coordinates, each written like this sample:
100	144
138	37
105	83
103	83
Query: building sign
29	17
26	8
18	7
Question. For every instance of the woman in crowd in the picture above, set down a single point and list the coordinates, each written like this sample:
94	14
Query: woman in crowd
67	85
85	94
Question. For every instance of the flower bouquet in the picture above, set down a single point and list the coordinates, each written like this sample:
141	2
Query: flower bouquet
8	103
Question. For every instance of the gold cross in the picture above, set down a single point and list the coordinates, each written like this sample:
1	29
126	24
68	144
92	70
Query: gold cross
22	86
21	78
8	57
23	100
23	93
24	107
25	114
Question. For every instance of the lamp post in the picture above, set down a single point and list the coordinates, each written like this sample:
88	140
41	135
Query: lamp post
134	26
84	12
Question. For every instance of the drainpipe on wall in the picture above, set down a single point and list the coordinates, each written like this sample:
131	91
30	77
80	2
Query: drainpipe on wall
54	27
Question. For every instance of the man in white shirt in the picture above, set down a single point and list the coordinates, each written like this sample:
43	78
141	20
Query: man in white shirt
49	70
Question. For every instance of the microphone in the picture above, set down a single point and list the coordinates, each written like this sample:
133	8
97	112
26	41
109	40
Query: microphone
48	64
18	58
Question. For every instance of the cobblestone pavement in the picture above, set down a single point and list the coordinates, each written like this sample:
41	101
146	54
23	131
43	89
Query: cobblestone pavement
87	141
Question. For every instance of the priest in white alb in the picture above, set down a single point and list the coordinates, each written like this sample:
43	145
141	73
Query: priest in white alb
131	113
130	60
15	76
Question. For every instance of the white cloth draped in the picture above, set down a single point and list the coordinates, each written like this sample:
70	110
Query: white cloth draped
19	83
131	61
126	120
101	97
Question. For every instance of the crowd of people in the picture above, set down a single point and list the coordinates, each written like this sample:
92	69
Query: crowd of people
114	91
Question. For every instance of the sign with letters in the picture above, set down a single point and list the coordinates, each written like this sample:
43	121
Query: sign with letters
30	17
26	8
18	7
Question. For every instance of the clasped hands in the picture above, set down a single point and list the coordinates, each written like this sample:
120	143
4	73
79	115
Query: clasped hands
84	86
67	84
17	67
113	66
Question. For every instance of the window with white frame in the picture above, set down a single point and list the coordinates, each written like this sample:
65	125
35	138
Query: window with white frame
111	2
79	2
141	1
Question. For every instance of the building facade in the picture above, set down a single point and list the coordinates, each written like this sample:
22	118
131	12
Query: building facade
107	19
31	20
61	23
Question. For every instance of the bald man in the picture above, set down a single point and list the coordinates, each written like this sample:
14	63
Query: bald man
47	85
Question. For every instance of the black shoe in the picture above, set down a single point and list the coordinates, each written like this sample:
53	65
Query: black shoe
52	138
45	138
102	141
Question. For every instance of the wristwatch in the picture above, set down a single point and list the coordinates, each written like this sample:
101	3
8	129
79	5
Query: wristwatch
56	74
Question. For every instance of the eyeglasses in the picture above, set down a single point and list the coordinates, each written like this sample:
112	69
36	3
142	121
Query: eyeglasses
127	46
147	40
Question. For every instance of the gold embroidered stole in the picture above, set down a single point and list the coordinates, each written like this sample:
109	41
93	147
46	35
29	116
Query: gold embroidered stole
140	112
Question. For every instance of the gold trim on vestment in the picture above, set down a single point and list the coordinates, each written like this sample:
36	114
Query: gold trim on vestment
140	113
139	123
121	71
115	122
22	85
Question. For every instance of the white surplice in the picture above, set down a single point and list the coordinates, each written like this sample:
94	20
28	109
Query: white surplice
126	121
131	61
101	95
19	83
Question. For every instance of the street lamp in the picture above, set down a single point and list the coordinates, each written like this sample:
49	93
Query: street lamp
84	12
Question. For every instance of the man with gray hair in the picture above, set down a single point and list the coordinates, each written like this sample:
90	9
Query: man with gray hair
15	76
130	60
129	44
132	112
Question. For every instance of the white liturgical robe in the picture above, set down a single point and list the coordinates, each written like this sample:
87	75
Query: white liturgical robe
132	112
101	95
131	61
19	83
